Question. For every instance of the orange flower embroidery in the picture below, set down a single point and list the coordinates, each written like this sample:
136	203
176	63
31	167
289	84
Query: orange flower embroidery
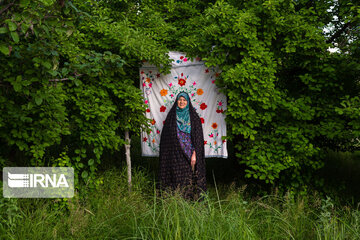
153	122
214	125
215	143
163	92
199	92
148	80
153	140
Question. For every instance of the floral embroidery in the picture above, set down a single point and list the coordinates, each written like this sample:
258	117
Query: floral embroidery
219	107
163	92
182	82
199	92
203	106
182	59
168	92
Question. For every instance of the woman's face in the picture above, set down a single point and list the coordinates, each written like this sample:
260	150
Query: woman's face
182	102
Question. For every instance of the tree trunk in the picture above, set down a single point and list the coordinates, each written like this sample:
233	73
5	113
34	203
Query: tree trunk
128	159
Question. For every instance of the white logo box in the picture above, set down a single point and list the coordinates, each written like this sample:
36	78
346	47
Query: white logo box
38	182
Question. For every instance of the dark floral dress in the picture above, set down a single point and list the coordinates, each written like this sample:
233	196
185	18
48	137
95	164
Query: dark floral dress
185	142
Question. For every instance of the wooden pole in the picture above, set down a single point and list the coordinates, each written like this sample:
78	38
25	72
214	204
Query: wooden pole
128	159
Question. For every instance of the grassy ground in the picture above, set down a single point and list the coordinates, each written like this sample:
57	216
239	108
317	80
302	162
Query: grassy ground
228	212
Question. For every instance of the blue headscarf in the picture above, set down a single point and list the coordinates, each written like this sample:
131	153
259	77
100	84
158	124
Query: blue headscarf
183	115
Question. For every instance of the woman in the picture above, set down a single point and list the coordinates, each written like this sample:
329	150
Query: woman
182	158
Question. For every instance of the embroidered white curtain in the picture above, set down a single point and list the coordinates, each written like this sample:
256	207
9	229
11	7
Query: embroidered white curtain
198	81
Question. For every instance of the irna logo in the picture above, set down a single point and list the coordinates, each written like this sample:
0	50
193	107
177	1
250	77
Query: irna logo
36	180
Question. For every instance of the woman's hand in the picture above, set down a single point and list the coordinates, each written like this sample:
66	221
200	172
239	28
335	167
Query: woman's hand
193	160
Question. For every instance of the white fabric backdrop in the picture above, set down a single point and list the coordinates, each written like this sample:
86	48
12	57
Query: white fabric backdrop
198	81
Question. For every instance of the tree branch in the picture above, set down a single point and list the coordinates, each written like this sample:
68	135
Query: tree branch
6	7
58	80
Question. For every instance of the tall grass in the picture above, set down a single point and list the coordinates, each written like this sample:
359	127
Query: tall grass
111	212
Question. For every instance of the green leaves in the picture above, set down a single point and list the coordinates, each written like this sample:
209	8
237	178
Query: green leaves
284	88
38	100
12	26
14	36
4	49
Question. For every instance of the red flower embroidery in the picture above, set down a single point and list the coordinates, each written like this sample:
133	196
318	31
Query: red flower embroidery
182	82
223	140
142	72
203	106
158	75
221	111
218	110
205	142
157	131
202	120
206	70
181	57
147	110
145	139
162	109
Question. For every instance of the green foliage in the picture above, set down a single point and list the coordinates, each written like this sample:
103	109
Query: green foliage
69	82
289	99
